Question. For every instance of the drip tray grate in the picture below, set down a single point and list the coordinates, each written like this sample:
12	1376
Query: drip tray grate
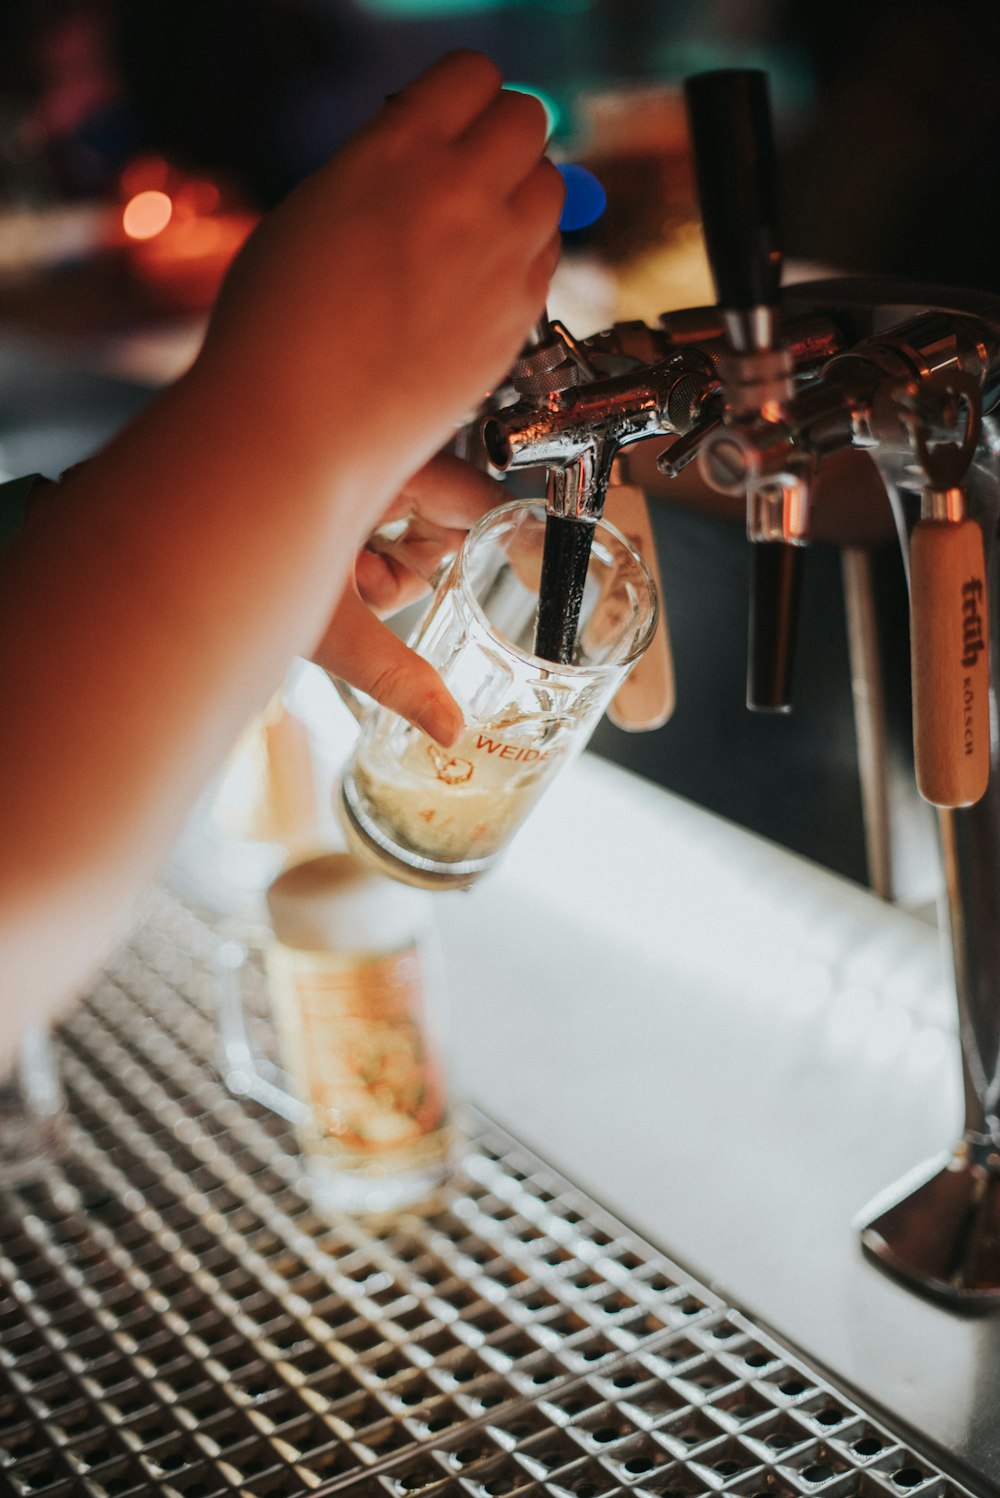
176	1318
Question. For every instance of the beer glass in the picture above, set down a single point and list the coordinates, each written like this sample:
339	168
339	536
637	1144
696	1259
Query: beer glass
439	818
331	1017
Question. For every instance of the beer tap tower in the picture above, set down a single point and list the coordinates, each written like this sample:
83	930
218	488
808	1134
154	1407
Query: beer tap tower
760	391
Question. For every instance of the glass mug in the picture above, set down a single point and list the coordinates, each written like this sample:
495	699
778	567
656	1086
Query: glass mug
439	818
332	1018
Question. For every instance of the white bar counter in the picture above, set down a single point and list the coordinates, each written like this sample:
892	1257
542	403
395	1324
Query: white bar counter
735	1051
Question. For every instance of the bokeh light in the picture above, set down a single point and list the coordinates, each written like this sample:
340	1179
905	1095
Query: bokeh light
147	214
553	113
586	199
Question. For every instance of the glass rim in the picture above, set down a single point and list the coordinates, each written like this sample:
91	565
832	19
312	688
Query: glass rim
527	657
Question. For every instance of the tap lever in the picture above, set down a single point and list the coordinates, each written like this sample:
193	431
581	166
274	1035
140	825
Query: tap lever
943	415
674	459
647	697
548	364
949	630
574	349
694	410
949	661
733	142
734	164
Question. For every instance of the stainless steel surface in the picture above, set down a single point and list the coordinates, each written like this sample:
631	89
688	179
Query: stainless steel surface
585	425
177	1319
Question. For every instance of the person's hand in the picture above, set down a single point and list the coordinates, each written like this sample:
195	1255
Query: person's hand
393	288
434	510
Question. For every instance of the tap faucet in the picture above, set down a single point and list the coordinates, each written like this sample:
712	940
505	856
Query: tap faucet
760	391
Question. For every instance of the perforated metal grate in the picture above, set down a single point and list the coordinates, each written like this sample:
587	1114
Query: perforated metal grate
176	1319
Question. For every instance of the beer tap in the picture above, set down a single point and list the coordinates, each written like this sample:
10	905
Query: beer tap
580	403
551	364
746	451
910	376
567	419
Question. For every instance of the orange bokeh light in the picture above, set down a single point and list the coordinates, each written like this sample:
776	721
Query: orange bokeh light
147	214
179	232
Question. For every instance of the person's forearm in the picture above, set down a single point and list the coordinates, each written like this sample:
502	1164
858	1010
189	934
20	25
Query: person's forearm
155	603
148	611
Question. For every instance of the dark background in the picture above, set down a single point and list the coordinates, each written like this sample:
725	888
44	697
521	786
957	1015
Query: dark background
887	114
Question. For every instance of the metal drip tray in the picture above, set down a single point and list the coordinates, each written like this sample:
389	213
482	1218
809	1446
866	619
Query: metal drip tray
177	1319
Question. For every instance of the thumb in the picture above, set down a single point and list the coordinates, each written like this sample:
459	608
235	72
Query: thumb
364	652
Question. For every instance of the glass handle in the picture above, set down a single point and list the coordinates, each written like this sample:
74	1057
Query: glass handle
32	1106
244	1071
351	699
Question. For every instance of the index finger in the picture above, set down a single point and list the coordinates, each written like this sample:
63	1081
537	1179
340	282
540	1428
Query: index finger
506	139
449	492
450	95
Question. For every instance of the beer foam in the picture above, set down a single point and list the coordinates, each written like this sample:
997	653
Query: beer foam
334	904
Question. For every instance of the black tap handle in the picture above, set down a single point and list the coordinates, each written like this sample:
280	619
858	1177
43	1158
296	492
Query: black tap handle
730	119
775	587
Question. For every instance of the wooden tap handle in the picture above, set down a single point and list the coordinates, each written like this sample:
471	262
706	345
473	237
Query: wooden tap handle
949	649
647	696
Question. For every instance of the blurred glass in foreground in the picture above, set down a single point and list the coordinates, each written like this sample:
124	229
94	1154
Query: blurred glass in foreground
31	1110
